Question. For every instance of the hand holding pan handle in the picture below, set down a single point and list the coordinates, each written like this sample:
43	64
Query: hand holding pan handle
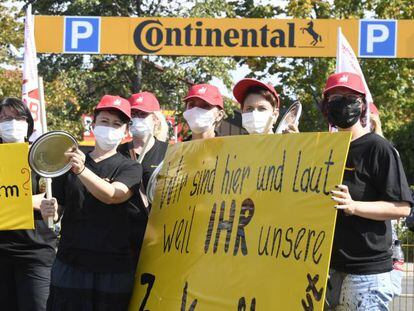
47	159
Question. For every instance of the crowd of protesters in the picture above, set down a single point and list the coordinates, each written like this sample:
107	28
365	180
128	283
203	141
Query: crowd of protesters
103	209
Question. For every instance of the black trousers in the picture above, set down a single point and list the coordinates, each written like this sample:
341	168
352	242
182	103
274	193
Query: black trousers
76	290
24	286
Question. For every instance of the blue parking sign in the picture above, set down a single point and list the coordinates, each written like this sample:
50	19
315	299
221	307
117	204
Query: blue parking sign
378	38
82	34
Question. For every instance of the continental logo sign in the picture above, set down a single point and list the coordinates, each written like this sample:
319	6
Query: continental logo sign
221	37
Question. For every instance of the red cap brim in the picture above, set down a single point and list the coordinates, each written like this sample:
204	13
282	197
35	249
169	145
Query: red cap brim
344	86
113	108
208	100
241	88
144	109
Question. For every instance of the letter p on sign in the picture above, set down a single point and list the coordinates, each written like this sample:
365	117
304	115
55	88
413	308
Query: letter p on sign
82	35
378	38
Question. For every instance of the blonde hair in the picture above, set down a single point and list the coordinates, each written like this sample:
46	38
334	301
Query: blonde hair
161	126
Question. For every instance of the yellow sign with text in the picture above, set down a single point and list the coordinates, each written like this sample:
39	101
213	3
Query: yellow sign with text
242	223
16	209
221	36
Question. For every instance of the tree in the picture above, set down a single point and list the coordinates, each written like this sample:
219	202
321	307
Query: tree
167	77
11	32
88	78
390	80
10	83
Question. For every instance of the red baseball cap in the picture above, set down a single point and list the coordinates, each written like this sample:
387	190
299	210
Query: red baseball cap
208	93
373	109
241	89
110	102
144	101
347	80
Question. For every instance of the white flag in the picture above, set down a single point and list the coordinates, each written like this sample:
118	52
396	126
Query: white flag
346	61
30	88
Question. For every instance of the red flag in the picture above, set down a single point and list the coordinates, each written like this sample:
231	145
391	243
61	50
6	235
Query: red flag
30	89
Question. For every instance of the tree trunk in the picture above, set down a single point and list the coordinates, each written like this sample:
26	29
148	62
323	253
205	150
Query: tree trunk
138	79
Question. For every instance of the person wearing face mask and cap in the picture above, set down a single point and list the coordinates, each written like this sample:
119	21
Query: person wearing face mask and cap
260	106
144	126
204	110
26	256
94	266
374	191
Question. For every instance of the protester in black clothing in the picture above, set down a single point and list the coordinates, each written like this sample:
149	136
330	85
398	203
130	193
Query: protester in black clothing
373	192
144	124
204	110
26	256
94	268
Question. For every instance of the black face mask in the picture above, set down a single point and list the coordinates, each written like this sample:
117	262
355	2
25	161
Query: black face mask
344	112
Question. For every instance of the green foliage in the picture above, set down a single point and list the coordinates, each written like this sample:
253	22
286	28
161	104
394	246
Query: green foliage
403	139
75	83
11	32
167	77
10	83
62	106
391	81
407	240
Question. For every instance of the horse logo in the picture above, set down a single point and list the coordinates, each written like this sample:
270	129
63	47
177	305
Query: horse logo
316	37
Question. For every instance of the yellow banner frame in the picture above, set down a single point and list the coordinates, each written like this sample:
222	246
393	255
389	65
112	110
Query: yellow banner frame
218	36
242	220
16	208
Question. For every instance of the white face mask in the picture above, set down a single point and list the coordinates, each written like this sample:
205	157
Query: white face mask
107	137
200	120
255	122
13	131
141	127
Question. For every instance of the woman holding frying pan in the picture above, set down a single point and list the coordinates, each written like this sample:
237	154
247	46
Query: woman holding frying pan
94	266
260	106
26	256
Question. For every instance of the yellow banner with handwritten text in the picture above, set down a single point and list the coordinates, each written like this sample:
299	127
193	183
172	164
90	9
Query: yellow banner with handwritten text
242	223
16	211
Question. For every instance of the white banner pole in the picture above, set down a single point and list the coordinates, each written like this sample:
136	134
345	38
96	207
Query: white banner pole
44	130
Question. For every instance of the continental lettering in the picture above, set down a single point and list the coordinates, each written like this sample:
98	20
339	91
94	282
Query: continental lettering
150	36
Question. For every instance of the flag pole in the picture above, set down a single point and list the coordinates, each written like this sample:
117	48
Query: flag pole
44	130
338	46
